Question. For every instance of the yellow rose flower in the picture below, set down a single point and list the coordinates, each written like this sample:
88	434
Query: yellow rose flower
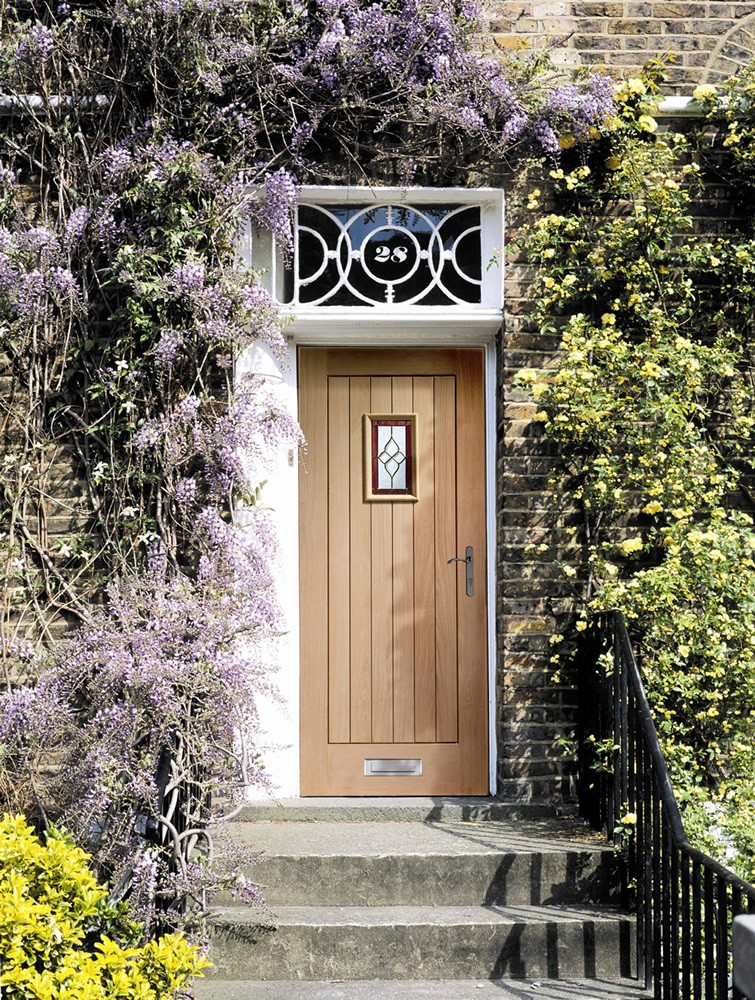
630	545
705	92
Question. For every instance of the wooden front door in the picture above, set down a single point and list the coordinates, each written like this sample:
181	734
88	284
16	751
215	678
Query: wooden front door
393	635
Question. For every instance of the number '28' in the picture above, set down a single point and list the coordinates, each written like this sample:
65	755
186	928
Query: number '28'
398	254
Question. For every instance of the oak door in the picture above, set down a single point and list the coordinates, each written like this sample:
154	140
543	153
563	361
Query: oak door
393	634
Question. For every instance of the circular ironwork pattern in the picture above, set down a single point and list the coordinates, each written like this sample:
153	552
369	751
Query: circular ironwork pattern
387	254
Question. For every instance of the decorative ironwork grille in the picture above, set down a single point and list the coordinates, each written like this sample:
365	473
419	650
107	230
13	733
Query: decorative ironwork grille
386	254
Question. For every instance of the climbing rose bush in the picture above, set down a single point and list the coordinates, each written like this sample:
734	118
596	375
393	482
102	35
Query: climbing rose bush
652	409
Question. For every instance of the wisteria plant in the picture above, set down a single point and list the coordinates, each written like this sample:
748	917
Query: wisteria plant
138	138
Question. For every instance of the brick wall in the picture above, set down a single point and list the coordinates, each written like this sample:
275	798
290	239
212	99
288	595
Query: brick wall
534	596
711	41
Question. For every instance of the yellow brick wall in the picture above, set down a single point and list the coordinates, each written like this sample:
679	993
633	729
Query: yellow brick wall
709	40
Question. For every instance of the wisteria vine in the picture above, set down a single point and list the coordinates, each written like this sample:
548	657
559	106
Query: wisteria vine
138	136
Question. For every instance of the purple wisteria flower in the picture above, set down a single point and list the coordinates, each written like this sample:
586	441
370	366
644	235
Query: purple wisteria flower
186	493
188	279
168	347
275	210
76	226
36	46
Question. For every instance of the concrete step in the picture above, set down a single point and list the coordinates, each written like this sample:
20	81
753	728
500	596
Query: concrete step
456	989
447	864
415	942
435	809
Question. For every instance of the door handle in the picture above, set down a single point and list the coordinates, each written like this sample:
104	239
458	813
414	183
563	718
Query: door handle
469	560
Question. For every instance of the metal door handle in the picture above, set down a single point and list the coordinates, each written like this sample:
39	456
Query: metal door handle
469	560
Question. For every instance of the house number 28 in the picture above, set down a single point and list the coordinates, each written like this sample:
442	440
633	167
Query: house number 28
385	254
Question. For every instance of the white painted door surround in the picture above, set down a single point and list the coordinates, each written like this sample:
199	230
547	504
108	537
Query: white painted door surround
416	300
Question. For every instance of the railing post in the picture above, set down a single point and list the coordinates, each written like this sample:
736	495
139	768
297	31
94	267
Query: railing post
615	734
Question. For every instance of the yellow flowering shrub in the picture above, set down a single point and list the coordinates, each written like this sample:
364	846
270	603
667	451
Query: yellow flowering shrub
651	403
60	939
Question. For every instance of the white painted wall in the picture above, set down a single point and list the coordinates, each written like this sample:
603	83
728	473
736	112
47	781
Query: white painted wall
279	717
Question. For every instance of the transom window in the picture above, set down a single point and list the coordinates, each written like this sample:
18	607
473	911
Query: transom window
397	255
350	255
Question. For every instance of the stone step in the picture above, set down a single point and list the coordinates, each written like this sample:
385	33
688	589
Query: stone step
387	809
413	942
448	864
547	788
456	989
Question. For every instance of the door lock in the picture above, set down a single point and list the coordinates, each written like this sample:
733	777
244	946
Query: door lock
469	560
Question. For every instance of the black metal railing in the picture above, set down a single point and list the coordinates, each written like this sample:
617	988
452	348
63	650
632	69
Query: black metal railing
685	901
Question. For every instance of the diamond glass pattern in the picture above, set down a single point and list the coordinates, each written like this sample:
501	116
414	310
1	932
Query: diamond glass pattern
391	458
389	455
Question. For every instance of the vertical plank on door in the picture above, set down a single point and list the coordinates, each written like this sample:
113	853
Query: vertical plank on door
449	578
473	689
403	593
313	520
424	564
339	642
382	594
359	559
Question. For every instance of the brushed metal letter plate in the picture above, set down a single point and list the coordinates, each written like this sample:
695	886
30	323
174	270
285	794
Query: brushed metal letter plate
376	767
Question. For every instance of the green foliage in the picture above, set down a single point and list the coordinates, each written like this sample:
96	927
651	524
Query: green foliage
652	405
61	940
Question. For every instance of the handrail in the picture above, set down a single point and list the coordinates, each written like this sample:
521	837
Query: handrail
684	899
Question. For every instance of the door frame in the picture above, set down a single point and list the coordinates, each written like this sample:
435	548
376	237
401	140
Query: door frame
279	716
475	325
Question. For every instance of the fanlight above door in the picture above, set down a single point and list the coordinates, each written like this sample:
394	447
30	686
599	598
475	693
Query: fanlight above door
383	254
418	253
